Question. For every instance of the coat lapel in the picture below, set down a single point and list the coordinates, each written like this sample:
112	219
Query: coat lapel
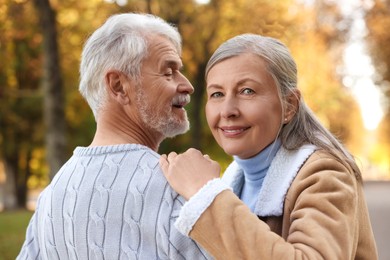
280	175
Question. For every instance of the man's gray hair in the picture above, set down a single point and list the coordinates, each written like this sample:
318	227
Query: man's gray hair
304	127
121	43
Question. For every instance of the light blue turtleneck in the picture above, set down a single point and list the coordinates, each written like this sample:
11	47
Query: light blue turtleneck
255	170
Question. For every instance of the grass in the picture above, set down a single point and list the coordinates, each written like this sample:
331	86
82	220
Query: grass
13	226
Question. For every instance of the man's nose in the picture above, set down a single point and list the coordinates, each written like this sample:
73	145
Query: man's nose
185	85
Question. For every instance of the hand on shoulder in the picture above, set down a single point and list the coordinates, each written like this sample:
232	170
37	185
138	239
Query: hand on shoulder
188	172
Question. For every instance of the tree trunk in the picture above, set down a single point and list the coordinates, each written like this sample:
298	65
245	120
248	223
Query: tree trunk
10	200
22	178
197	109
149	6
54	115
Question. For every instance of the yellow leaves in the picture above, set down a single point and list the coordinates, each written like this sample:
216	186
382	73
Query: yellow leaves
68	17
319	82
38	165
3	11
37	156
2	172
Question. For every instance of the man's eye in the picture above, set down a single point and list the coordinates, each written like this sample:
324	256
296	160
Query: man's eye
168	73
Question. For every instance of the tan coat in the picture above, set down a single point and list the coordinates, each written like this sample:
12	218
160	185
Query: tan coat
324	217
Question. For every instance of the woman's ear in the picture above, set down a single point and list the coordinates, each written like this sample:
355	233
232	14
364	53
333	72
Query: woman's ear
117	86
292	105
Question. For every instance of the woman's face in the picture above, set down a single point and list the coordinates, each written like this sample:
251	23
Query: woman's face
243	108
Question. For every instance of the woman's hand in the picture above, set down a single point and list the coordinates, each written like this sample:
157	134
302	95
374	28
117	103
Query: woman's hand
188	172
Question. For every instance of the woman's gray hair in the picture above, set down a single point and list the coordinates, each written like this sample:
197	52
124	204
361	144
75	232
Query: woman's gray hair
304	127
121	43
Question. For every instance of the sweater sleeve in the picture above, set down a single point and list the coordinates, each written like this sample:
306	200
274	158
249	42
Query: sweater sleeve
30	248
321	223
171	243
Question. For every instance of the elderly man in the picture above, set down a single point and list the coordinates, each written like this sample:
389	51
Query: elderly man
110	200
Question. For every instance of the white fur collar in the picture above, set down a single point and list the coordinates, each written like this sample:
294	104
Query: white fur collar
280	175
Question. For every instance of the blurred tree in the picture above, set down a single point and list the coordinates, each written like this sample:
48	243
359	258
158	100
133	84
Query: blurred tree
22	147
378	39
381	153
54	115
317	47
20	98
378	21
76	21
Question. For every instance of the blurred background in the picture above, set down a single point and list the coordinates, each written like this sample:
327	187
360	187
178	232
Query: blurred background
341	47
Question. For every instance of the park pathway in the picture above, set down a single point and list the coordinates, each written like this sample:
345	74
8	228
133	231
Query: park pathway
378	201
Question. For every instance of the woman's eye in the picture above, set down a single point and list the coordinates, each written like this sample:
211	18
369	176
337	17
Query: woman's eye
216	95
247	91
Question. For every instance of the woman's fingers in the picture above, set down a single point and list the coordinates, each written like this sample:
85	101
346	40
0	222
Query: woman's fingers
164	164
189	171
171	156
165	161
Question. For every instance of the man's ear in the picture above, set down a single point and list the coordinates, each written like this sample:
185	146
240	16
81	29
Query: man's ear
117	86
292	105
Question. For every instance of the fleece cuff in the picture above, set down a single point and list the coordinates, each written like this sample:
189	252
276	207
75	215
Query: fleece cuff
197	204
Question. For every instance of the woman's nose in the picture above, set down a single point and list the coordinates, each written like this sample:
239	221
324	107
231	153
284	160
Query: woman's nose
229	108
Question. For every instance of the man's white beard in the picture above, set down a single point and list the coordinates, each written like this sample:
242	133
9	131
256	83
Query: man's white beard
164	122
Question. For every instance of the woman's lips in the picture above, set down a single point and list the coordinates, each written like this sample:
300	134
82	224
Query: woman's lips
233	131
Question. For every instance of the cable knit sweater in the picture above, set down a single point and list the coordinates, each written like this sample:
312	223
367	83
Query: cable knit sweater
109	202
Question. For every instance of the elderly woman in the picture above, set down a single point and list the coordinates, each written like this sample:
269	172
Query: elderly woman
293	191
